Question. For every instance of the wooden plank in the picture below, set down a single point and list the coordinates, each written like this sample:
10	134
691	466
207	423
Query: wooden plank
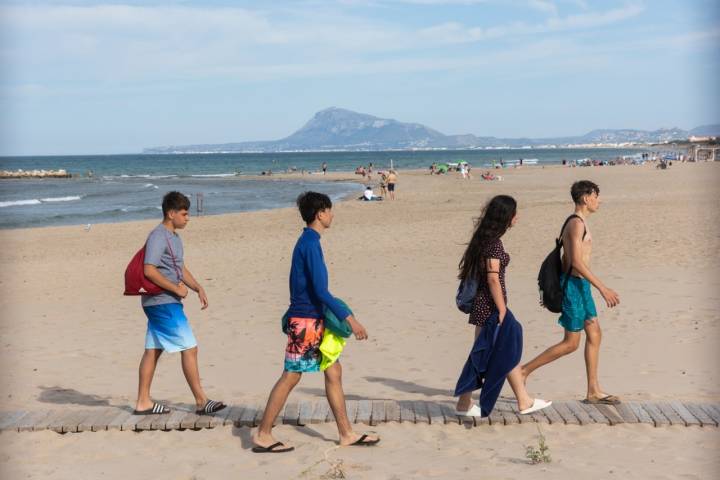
189	419
351	406
146	422
421	412
640	413
247	417
130	422
521	418
713	413
378	412
449	414
671	414
320	411
99	420
496	417
553	416
684	413
594	413
118	422
9	420
306	409
29	422
71	420
579	412
626	413
407	412
568	417
172	422
610	413
218	419
700	414
364	411
540	416
392	411
203	421
435	413
292	413
655	414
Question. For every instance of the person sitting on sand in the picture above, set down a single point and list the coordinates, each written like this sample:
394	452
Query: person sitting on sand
309	295
168	329
488	176
369	195
484	262
578	307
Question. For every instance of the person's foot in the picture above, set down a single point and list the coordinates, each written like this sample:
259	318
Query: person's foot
142	405
364	439
267	440
602	398
537	404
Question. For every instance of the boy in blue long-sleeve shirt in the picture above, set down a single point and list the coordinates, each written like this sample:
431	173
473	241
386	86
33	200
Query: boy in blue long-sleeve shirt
308	296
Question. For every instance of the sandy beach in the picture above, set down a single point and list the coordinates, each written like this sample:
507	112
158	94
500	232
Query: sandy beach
71	340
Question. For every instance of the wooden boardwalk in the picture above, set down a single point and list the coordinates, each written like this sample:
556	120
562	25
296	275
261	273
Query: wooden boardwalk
370	412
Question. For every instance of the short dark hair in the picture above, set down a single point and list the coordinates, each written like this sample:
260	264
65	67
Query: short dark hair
174	201
581	188
311	203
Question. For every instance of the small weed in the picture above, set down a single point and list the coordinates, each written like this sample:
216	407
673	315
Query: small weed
539	454
335	472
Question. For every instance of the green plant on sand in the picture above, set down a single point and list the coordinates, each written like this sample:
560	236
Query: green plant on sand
539	454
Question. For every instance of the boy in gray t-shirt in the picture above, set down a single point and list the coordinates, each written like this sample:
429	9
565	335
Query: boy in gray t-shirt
168	327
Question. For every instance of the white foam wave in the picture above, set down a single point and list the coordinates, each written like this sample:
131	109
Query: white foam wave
151	185
214	175
14	203
61	199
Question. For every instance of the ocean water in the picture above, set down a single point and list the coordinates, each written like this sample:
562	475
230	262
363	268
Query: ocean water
130	187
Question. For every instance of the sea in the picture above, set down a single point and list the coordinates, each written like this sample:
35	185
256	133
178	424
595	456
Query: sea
120	188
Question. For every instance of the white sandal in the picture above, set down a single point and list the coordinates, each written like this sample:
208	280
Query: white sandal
473	412
538	404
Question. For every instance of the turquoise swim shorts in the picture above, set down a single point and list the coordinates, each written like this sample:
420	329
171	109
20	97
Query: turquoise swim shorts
578	305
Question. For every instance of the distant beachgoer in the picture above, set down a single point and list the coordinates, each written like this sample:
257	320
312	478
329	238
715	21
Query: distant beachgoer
324	168
309	296
383	184
168	329
578	307
484	262
392	179
368	194
463	171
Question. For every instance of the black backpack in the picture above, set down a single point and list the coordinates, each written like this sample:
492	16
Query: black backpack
551	292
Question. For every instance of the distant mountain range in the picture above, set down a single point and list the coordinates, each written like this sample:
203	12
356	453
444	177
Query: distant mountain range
340	129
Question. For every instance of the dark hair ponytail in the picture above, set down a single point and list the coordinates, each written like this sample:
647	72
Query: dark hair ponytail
492	224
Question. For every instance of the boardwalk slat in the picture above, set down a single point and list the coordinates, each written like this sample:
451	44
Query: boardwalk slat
320	411
233	415
189	419
98	420
626	413
351	406
684	413
671	414
610	413
700	414
9	420
407	412
449	414
496	417
204	421
172	422
218	419
521	418
640	413
69	421
540	416
118	422
292	413
552	415
31	421
392	411
713	413
147	422
595	413
579	412
655	414
565	413
378	412
247	417
305	408
364	412
435	413
421	412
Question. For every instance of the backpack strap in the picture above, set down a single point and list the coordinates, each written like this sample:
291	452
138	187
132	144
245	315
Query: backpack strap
559	242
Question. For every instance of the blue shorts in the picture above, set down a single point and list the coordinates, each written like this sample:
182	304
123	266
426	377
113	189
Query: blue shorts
578	305
168	328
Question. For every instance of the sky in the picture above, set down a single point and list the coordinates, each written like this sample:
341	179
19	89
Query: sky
90	77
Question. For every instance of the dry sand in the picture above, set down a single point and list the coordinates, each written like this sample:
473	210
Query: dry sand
70	339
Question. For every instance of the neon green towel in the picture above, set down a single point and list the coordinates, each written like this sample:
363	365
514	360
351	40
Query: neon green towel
330	348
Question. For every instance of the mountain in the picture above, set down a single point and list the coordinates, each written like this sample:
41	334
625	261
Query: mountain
340	129
706	131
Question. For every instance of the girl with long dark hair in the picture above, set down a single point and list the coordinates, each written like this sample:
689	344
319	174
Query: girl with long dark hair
484	262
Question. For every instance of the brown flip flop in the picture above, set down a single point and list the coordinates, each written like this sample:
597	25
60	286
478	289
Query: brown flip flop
606	400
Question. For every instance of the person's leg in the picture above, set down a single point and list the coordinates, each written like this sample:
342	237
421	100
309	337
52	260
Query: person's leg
146	371
517	383
465	400
569	344
593	337
278	396
192	375
336	399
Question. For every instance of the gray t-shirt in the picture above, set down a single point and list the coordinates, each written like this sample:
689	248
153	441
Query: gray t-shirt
158	252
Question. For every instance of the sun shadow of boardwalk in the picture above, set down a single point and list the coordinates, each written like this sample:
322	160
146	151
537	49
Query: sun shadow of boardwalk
411	387
65	396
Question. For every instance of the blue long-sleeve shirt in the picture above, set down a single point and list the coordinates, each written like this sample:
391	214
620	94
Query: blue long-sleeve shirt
309	280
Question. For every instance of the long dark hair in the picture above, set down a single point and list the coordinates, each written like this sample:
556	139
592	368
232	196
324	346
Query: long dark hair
492	224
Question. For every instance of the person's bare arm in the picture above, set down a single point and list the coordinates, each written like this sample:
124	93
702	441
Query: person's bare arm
572	242
492	266
190	281
154	275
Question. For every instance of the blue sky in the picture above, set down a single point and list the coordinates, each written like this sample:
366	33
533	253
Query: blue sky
95	77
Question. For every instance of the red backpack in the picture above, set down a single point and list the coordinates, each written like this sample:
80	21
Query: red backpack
136	283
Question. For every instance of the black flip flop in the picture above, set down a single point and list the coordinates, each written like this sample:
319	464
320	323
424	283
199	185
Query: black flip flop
361	441
273	448
211	406
156	409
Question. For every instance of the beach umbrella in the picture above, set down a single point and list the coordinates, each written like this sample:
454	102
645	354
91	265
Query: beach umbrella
442	168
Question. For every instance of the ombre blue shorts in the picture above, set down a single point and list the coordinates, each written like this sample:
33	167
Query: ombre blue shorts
168	328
